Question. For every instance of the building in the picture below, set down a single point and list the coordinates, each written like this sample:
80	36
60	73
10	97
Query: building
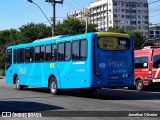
81	14
154	31
130	14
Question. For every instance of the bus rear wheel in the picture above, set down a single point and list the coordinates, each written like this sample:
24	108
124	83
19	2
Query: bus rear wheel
18	86
139	85
53	86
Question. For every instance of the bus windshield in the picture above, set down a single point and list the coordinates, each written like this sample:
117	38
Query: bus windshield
113	43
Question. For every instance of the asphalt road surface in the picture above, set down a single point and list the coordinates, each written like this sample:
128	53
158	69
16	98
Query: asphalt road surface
105	104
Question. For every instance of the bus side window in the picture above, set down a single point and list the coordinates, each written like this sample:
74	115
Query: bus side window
54	53
37	54
15	56
27	53
9	57
83	49
67	51
61	52
75	50
20	55
31	55
42	53
48	53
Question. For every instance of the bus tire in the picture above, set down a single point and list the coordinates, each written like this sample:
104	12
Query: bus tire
139	85
18	86
53	86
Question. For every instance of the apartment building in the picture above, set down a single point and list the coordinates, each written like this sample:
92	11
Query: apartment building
130	14
154	31
82	14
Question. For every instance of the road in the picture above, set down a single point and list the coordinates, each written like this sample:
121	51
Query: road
117	100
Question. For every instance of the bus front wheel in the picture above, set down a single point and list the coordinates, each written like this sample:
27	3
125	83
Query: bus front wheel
139	85
18	86
53	86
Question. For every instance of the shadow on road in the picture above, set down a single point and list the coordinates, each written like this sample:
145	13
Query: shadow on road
23	106
106	94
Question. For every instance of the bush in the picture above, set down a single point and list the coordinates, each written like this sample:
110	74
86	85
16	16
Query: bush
2	72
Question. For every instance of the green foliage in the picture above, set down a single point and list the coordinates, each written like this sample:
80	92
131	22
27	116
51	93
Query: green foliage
117	29
31	32
7	37
72	26
138	37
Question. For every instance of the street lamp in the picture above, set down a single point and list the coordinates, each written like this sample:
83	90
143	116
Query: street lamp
43	14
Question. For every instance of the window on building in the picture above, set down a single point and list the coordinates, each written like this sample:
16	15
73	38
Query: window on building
127	4
157	32
114	3
151	32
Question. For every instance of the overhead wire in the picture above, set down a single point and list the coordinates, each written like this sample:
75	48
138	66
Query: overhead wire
71	5
68	3
154	2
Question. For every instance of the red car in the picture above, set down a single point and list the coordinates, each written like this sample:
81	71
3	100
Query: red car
147	67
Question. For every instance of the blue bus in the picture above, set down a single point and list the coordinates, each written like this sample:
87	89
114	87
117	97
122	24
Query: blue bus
86	62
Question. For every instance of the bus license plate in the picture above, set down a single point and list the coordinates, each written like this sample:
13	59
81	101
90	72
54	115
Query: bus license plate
114	77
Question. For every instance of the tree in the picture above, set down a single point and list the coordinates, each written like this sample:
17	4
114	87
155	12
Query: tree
116	29
72	26
7	38
138	37
32	31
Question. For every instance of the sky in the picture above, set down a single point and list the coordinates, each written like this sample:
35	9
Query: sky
15	13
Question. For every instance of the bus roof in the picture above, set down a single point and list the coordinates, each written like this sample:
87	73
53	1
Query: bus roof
50	40
64	38
113	34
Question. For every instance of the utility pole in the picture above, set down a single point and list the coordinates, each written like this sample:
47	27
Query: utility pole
86	15
53	2
107	17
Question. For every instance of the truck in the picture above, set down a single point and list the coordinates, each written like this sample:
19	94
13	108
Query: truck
147	67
